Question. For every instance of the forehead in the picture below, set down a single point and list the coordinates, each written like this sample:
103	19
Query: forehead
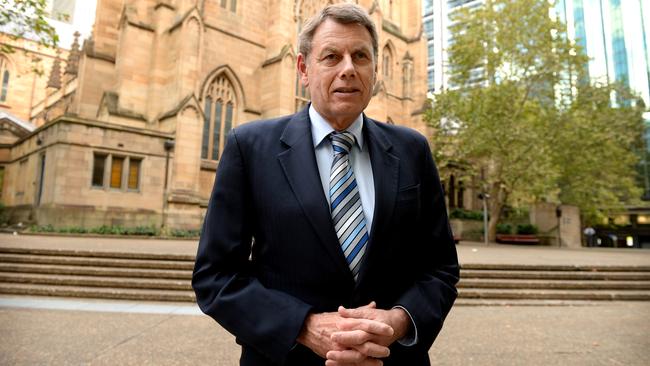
332	34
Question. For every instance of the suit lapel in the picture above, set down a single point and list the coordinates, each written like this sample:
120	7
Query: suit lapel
385	172
299	165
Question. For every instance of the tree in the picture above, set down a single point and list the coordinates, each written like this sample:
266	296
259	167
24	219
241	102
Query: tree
600	146
26	19
517	88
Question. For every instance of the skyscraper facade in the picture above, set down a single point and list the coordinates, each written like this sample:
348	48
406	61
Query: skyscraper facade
436	24
428	24
615	35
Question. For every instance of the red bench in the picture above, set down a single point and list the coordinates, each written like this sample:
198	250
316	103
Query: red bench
517	239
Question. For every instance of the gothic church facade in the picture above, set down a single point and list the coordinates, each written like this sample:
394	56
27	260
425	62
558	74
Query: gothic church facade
132	132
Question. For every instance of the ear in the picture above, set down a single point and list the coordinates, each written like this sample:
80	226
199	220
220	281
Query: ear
302	69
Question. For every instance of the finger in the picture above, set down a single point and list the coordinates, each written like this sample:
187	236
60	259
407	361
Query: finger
371	305
346	356
350	338
366	362
374	350
367	325
367	311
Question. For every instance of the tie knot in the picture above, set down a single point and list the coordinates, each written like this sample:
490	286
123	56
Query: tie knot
342	142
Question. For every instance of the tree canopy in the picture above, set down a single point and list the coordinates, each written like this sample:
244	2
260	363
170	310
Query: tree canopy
26	18
521	117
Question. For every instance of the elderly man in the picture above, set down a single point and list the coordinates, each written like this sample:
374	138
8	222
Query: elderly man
326	240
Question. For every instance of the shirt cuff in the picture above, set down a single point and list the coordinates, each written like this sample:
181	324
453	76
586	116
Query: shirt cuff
411	338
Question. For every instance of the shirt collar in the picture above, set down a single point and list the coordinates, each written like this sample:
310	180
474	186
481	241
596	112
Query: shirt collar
320	128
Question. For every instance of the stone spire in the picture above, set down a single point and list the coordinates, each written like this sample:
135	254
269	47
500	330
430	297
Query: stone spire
55	74
73	57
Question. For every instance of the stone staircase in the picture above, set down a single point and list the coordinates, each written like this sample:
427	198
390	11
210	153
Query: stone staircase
493	284
165	277
91	274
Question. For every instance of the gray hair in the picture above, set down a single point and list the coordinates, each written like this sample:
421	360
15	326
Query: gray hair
342	13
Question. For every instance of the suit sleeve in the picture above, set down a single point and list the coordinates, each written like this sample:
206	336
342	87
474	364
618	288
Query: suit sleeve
223	280
430	298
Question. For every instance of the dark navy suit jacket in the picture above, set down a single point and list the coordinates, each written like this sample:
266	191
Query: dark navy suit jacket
268	254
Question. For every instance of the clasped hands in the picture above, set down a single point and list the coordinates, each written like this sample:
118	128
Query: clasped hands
359	336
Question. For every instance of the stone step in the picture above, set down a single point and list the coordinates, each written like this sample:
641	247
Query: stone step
556	275
98	254
611	295
92	261
555	267
93	281
523	302
553	284
95	271
96	293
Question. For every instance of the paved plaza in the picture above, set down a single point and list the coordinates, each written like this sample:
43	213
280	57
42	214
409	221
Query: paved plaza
56	331
598	334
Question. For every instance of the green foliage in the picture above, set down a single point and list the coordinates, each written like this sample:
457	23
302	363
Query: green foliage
42	229
600	147
504	229
119	230
26	18
527	229
102	230
459	213
521	121
185	233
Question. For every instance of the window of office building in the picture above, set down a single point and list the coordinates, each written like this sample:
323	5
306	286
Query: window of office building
428	28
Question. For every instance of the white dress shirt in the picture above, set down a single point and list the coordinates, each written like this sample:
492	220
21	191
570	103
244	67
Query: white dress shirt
359	158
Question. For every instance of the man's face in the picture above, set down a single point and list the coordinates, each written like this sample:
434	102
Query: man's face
339	72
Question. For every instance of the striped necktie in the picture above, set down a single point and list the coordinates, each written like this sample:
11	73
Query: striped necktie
345	203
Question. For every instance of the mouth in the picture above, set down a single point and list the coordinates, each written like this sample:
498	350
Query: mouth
346	90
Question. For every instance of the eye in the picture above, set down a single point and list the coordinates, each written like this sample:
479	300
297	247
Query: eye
361	55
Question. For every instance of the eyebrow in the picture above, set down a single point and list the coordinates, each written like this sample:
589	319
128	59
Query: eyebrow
334	49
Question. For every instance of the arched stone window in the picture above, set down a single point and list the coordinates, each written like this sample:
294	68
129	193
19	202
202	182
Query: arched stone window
5	76
220	107
387	64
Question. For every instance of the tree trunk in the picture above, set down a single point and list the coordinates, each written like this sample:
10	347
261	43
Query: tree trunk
497	200
495	215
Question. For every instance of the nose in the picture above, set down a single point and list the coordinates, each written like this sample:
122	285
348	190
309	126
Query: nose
348	69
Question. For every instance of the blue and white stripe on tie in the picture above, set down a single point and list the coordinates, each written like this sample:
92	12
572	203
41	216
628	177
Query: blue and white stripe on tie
345	203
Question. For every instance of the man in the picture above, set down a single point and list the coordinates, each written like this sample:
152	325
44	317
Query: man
326	239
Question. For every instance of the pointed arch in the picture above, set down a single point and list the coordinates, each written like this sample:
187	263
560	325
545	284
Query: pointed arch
223	102
388	61
232	77
5	77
